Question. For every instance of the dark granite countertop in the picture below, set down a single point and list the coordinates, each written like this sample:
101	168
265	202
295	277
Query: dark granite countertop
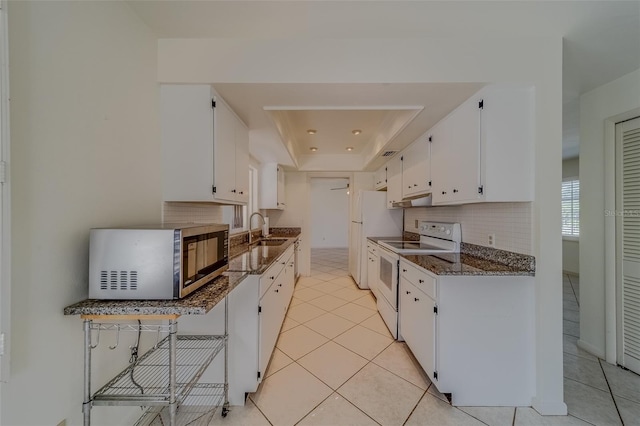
465	264
199	302
256	259
376	239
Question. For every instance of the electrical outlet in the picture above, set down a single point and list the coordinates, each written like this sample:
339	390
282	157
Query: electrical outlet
416	224
492	240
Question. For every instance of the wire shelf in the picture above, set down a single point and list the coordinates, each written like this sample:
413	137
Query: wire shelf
150	384
197	409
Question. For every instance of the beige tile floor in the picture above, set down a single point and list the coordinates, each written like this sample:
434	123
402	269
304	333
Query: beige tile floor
335	363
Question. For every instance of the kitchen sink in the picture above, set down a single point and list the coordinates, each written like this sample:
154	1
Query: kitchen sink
271	242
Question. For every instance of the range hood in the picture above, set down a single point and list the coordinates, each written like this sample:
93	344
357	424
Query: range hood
415	201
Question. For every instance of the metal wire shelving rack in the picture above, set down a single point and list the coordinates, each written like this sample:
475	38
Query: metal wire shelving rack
165	380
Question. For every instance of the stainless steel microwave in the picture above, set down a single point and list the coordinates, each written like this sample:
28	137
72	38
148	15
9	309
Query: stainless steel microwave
166	261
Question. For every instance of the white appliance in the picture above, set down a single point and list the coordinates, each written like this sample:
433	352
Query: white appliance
370	217
435	237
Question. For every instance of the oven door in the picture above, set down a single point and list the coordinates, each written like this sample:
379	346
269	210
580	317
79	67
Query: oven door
388	276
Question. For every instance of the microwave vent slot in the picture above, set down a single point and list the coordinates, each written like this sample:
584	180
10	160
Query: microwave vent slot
118	280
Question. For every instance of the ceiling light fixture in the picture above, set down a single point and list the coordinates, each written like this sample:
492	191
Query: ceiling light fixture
312	131
313	149
349	148
356	132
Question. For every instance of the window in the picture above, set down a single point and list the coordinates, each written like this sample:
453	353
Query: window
571	207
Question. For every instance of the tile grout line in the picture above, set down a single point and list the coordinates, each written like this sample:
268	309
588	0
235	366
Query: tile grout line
574	290
610	391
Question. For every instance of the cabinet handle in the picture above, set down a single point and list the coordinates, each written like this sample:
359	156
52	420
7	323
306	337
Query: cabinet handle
409	186
455	190
444	192
233	190
276	290
415	184
415	298
421	281
279	285
284	263
241	192
404	270
272	278
408	292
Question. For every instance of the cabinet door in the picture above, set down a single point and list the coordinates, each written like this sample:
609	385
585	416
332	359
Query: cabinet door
242	162
394	181
465	142
380	178
271	315
442	158
416	168
224	130
372	273
418	325
280	202
186	120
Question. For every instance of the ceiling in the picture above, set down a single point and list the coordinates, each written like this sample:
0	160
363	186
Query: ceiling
391	116
601	40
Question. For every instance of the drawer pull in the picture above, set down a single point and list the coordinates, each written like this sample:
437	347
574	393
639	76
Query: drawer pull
416	299
421	281
408	292
272	278
276	290
404	270
279	285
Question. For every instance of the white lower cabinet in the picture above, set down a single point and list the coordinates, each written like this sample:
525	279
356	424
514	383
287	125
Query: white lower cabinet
473	335
276	290
418	325
372	268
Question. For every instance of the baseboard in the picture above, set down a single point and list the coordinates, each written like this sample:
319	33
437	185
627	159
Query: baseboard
590	348
549	408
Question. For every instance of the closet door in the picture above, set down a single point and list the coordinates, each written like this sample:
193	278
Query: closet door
628	237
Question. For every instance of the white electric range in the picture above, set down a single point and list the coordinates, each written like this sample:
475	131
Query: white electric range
435	237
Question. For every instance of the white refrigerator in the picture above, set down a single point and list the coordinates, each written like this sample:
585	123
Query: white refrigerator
370	217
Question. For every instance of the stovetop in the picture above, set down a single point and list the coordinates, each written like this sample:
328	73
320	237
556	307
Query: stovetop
415	247
435	237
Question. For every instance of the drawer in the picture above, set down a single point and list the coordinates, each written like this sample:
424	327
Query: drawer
419	278
372	247
270	276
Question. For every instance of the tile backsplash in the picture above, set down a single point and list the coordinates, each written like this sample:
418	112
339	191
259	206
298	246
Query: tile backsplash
173	212
511	223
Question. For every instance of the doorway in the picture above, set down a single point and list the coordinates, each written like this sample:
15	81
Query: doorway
628	244
329	202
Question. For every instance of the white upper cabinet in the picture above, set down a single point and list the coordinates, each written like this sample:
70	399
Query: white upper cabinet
416	168
394	181
271	195
380	178
205	147
483	150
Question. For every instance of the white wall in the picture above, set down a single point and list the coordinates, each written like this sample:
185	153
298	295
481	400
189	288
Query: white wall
85	153
329	213
534	60
570	247
510	223
599	110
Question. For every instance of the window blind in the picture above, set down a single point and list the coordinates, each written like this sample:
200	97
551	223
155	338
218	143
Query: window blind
571	207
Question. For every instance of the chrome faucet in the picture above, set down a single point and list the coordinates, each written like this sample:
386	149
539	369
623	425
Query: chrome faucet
251	217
